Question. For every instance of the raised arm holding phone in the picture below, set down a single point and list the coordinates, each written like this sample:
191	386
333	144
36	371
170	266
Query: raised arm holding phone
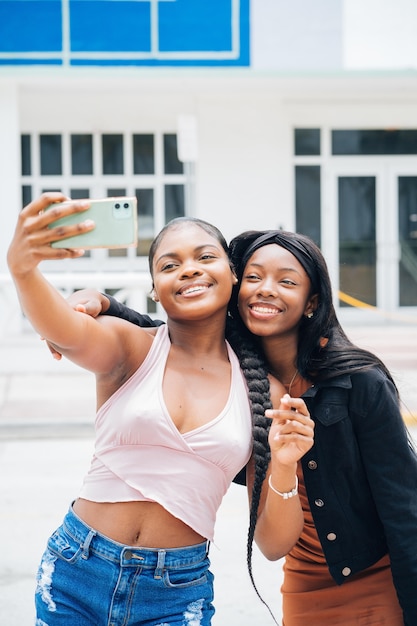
173	427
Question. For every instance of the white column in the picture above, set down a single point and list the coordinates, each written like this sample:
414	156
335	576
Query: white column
10	197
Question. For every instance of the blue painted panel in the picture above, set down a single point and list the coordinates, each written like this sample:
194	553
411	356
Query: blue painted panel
103	26
195	25
124	32
30	26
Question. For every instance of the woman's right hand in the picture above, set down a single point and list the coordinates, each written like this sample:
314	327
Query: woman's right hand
32	238
292	431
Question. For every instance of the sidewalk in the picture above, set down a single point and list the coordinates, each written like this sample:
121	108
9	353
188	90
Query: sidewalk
46	441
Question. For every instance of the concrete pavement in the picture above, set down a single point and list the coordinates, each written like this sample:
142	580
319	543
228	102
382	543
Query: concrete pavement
46	427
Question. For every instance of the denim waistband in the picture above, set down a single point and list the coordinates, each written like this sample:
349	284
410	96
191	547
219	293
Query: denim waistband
168	558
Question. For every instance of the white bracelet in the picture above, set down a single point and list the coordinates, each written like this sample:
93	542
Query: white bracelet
286	494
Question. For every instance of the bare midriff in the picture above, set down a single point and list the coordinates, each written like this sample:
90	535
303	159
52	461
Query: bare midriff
145	524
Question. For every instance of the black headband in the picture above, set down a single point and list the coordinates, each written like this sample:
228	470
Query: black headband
287	241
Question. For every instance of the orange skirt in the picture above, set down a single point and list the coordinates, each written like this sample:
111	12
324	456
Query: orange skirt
310	596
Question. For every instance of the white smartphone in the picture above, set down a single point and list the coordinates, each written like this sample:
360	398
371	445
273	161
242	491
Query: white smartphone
115	220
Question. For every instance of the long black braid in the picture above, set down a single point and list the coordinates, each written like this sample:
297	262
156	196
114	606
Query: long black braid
256	375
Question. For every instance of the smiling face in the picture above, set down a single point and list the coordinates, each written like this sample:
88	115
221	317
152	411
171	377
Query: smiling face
275	292
191	273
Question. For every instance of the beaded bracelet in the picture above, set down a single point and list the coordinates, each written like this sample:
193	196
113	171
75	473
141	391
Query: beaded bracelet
286	494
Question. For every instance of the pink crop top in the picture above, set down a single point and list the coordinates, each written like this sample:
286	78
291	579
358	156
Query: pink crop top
141	455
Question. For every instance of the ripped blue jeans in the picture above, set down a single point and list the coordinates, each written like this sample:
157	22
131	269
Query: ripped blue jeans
85	579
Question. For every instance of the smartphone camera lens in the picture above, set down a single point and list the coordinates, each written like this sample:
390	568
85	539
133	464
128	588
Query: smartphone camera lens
117	205
126	205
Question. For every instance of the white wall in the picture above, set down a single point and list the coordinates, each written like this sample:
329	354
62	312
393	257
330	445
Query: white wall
243	173
297	35
380	35
9	198
9	165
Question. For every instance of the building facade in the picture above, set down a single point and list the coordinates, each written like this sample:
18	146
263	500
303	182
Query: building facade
262	114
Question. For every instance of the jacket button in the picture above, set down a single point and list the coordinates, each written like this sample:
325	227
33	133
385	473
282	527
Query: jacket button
312	465
331	536
346	571
319	502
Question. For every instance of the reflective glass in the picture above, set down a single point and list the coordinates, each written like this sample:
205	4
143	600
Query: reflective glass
143	154
112	154
79	194
25	155
26	194
146	220
407	231
357	237
171	163
51	155
82	154
307	141
348	142
174	202
308	201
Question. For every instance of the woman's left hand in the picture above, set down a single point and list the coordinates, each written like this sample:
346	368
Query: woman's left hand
292	430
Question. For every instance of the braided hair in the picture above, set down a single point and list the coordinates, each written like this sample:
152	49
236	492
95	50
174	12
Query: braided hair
256	374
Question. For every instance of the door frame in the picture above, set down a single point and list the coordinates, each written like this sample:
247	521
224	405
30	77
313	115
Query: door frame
386	171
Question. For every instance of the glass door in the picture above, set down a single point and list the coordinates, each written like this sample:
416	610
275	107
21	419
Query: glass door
369	233
404	194
358	235
356	201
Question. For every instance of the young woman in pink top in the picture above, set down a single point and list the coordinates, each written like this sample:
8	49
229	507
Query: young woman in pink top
133	549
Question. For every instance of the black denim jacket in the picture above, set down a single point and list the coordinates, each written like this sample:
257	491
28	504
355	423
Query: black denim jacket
361	481
360	476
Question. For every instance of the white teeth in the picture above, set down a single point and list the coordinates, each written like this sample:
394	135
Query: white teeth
264	310
193	289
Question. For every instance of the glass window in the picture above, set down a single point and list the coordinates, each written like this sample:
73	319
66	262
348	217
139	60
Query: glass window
146	219
114	192
112	154
357	237
79	194
308	201
171	163
25	155
51	155
307	141
82	154
26	194
143	154
174	201
407	226
161	195
348	142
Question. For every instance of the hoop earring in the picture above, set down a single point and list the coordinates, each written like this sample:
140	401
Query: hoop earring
154	296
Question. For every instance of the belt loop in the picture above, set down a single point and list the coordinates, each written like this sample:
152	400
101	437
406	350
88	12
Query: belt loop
160	564
85	547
